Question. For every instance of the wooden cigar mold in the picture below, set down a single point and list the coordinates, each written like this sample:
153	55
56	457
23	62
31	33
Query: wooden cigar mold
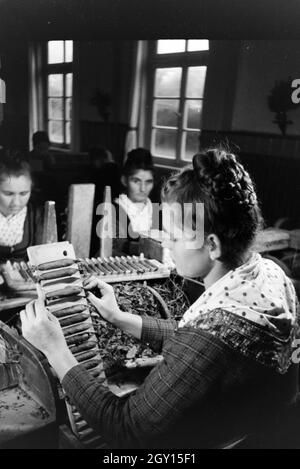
21	276
123	268
59	284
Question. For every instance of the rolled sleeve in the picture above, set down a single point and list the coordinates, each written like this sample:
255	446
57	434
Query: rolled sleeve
156	331
73	381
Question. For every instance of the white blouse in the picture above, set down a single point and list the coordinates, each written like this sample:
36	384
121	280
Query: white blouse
139	214
12	228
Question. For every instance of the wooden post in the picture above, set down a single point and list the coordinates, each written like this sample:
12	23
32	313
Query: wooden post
106	227
2	97
50	224
80	217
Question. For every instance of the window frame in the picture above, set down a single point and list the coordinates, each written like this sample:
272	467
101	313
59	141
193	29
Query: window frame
177	59
61	68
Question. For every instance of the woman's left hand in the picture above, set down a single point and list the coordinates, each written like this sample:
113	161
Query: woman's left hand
42	329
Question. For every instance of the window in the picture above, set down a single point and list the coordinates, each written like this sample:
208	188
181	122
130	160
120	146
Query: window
175	99
59	92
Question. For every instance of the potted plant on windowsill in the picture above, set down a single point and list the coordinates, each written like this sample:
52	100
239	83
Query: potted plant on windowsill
280	101
102	101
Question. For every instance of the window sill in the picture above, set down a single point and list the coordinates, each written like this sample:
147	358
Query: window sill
60	149
170	164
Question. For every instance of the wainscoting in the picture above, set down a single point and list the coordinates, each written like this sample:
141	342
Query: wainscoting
274	164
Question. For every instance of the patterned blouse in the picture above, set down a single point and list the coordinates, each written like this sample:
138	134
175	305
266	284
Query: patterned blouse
12	228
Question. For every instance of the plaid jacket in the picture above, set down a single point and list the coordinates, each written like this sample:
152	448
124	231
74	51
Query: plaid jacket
203	393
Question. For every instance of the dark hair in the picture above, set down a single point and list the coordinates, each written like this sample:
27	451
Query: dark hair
14	164
139	158
225	188
39	137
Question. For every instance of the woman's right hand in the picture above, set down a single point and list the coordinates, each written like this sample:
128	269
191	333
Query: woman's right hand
106	305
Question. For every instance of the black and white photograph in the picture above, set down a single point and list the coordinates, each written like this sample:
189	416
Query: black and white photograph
149	227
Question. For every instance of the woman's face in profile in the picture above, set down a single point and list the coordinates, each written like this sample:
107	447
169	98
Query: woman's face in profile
14	193
187	249
139	185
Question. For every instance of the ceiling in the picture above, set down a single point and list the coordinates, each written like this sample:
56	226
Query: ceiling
149	19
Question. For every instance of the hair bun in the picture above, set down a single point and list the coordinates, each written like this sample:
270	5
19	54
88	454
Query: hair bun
203	167
224	178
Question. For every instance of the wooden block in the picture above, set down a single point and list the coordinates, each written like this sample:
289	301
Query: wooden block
151	248
50	224
272	239
80	215
67	439
2	91
50	252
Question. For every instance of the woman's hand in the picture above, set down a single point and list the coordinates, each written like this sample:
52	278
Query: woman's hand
108	308
106	305
42	329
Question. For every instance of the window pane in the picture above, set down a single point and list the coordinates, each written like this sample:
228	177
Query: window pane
198	44
167	82
55	52
195	82
164	143
56	133
68	51
69	80
190	145
68	109
166	112
55	85
68	133
193	114
55	108
169	46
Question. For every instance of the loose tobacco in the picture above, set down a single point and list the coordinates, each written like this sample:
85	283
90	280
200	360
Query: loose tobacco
135	298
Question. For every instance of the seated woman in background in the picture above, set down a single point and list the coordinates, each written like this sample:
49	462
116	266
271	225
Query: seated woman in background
134	208
104	172
42	164
21	222
229	367
40	157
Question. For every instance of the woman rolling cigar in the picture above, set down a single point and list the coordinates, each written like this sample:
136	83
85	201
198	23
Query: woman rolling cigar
133	207
21	221
229	375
